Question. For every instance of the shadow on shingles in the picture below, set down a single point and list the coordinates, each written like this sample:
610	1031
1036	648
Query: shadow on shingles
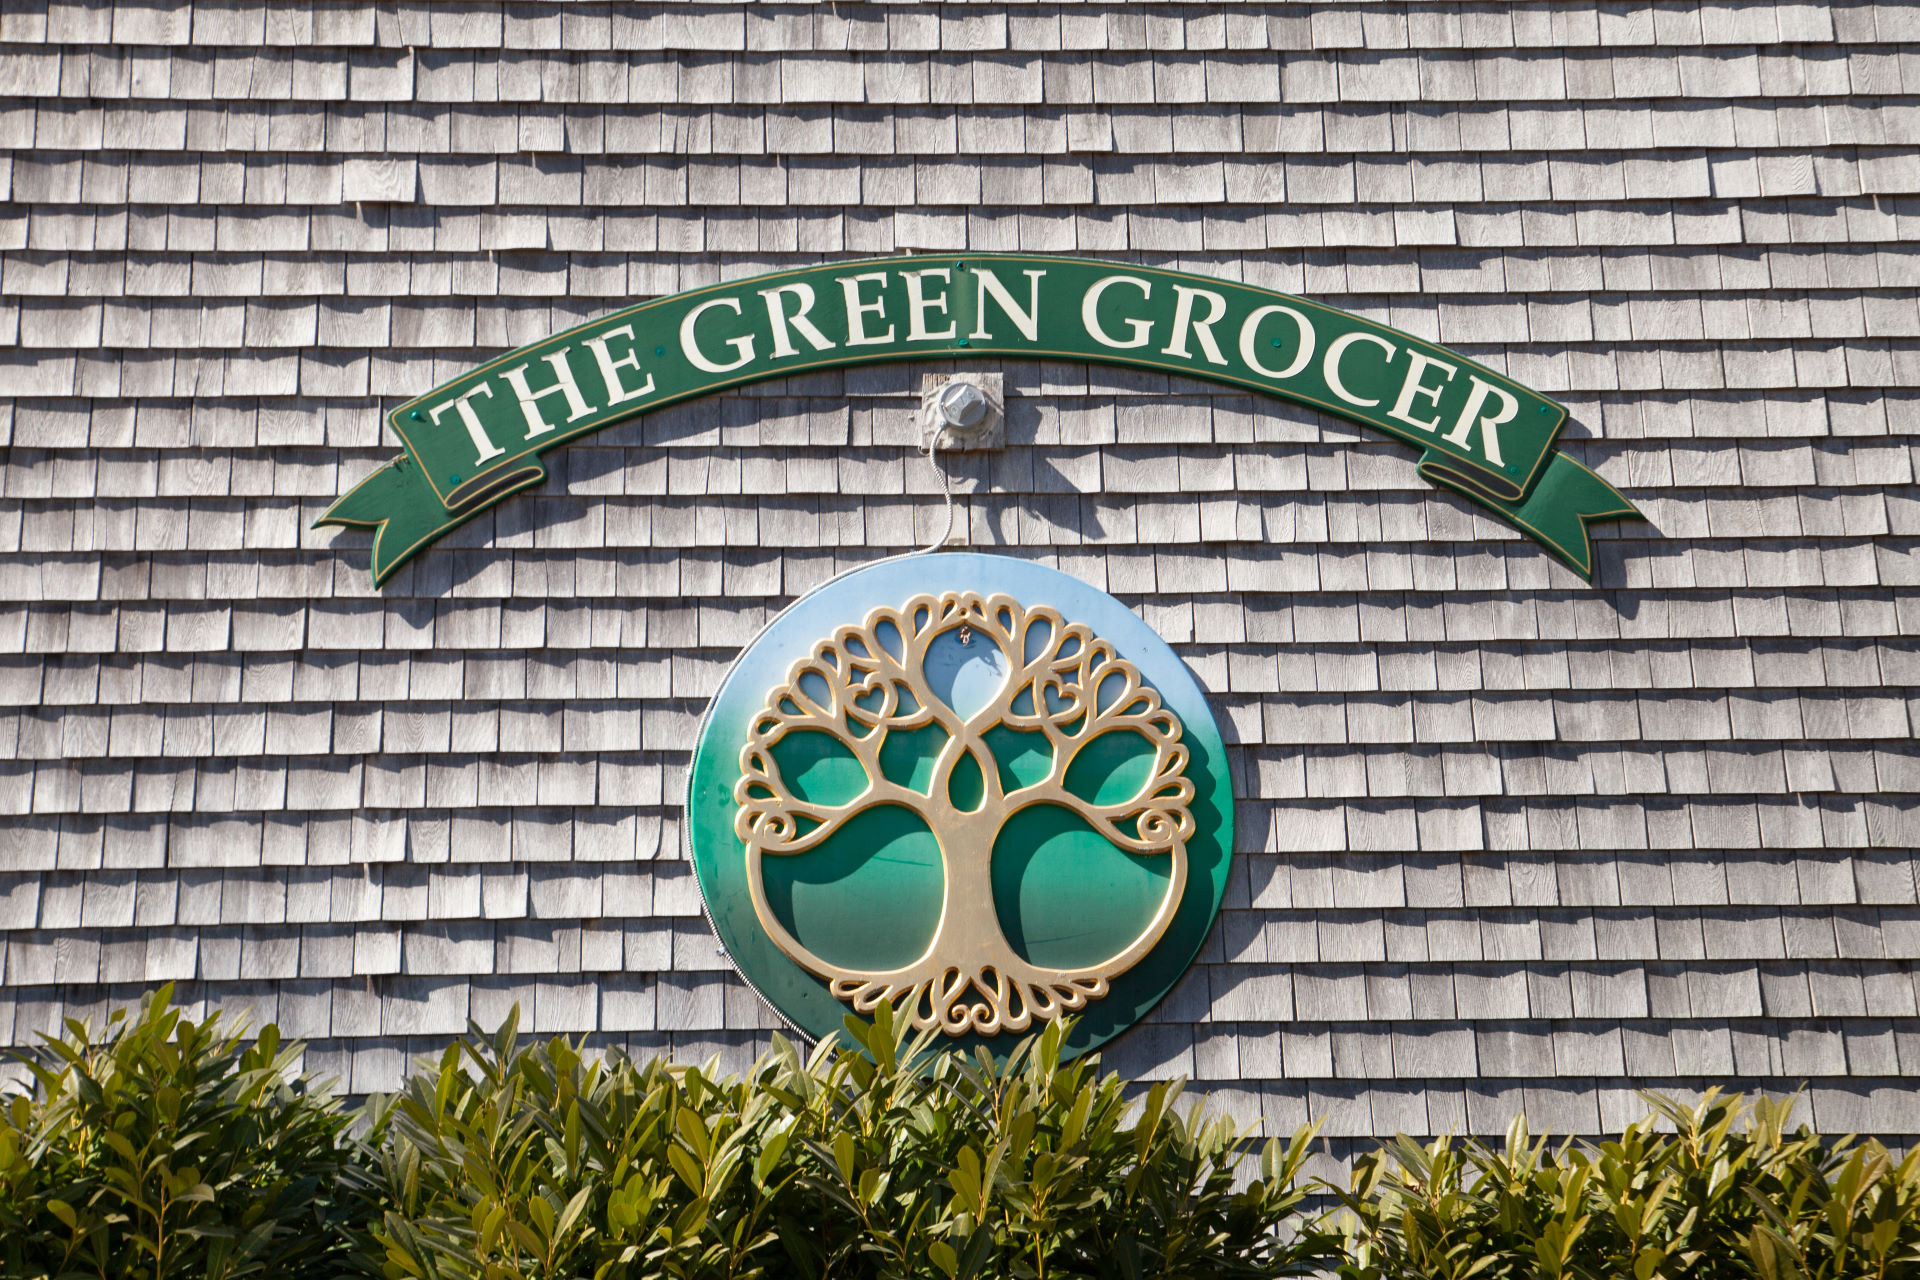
704	425
1633	559
706	422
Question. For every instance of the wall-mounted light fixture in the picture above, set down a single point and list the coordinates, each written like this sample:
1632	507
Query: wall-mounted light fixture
968	410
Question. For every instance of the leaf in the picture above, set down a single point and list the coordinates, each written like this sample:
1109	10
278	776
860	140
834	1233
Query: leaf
844	1155
774	1147
1076	1121
693	1132
571	1214
525	1236
965	1180
691	1220
542	1214
688	1168
120	1146
976	1254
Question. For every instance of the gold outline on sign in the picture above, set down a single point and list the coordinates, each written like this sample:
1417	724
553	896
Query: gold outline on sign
1063	682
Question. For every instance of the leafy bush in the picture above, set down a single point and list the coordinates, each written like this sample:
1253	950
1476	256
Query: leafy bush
159	1148
533	1161
162	1148
1708	1200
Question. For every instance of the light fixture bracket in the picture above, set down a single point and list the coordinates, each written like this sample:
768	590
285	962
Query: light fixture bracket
966	410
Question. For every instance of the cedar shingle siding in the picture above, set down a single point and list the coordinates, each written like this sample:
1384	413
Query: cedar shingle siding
1505	839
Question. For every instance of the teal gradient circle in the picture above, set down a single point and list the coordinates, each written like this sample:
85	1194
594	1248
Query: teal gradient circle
1058	895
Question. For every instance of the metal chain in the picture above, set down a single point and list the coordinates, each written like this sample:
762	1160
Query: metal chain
946	487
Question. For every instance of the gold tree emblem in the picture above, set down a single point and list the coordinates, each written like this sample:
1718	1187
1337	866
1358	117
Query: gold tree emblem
1061	681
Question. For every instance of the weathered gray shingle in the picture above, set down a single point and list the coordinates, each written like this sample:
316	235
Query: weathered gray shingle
1496	824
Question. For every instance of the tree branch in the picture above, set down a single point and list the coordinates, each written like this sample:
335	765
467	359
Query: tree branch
773	822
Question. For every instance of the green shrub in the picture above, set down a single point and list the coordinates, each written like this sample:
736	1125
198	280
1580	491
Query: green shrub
160	1148
535	1160
514	1161
1711	1199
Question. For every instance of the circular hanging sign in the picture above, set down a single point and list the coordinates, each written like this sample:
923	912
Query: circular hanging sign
967	783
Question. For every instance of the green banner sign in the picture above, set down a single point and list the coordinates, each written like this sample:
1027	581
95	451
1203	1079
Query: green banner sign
478	439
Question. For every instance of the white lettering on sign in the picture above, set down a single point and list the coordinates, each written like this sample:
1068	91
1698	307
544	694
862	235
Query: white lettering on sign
1202	328
1027	322
1250	331
1471	417
690	346
462	404
1422	399
857	311
1417	365
617	391
564	386
918	304
1090	313
1337	350
777	316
